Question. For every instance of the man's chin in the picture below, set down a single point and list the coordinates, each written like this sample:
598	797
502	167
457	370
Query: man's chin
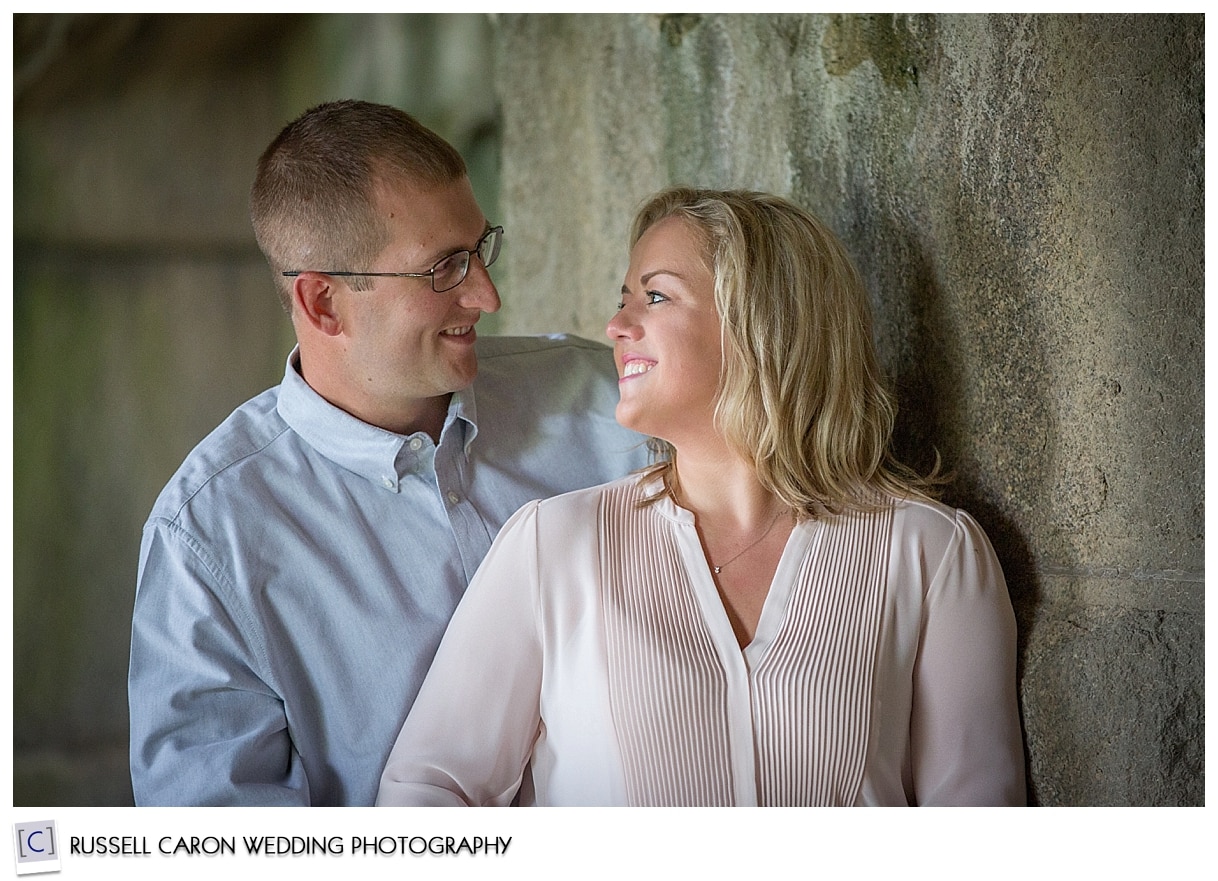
462	376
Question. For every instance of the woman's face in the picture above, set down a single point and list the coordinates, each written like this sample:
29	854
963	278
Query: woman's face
666	337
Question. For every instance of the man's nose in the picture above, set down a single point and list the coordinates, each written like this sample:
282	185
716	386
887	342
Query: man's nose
476	290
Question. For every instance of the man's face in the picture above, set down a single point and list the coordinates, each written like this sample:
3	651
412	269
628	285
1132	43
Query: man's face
407	345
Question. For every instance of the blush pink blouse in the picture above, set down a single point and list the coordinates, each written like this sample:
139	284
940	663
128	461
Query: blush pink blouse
591	662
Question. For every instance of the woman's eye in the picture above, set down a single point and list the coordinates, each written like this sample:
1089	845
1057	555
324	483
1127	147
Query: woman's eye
654	297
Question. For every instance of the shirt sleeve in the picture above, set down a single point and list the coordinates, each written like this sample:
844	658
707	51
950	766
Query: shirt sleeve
472	728
965	735
206	729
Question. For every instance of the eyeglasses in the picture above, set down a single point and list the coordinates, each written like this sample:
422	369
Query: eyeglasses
449	271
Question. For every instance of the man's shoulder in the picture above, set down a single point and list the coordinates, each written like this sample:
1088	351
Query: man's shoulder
558	373
511	352
236	444
545	413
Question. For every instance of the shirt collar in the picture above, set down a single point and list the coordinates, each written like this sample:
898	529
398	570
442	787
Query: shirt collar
462	407
648	486
383	457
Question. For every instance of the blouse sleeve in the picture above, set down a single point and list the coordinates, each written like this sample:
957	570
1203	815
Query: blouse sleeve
472	728
966	743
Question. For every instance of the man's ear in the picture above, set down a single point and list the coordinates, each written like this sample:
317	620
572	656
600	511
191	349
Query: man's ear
313	296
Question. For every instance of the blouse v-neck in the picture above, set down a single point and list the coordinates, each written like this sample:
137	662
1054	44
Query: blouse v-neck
804	678
714	610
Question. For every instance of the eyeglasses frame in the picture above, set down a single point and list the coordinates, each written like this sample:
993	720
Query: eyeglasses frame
431	273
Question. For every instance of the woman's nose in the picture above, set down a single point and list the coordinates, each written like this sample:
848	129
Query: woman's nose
623	326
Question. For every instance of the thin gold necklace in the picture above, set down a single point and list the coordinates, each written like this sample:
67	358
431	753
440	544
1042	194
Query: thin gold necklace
719	568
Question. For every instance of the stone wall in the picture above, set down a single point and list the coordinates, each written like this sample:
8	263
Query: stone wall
1024	196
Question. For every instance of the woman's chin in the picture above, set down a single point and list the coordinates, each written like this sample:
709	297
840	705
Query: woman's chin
628	416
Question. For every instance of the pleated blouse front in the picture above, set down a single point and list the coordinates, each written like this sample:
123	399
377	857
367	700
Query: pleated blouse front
592	662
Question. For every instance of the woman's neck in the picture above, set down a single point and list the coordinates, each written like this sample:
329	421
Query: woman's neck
723	488
742	530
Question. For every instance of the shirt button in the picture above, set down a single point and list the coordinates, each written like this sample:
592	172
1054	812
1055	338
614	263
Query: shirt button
416	443
453	498
388	482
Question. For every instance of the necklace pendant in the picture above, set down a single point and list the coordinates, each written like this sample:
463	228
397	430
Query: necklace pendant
746	550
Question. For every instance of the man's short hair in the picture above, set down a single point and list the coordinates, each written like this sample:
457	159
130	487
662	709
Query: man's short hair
312	202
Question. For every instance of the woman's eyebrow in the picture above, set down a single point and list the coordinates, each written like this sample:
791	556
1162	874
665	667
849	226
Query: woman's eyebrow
650	275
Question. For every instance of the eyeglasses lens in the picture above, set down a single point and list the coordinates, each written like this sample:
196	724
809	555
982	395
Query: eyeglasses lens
488	248
450	271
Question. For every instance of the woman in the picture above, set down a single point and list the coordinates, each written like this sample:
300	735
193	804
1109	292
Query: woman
776	613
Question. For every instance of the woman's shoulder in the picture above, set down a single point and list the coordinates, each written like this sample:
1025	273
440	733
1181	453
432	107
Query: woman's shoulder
585	505
936	527
562	530
571	511
932	515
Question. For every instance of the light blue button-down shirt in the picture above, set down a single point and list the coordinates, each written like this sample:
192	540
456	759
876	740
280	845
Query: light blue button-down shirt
298	571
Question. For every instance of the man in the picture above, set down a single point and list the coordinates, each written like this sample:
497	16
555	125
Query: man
297	572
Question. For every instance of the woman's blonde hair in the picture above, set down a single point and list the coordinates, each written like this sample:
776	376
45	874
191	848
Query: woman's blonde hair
801	395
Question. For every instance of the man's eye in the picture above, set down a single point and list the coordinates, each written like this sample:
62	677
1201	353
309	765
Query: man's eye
446	266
